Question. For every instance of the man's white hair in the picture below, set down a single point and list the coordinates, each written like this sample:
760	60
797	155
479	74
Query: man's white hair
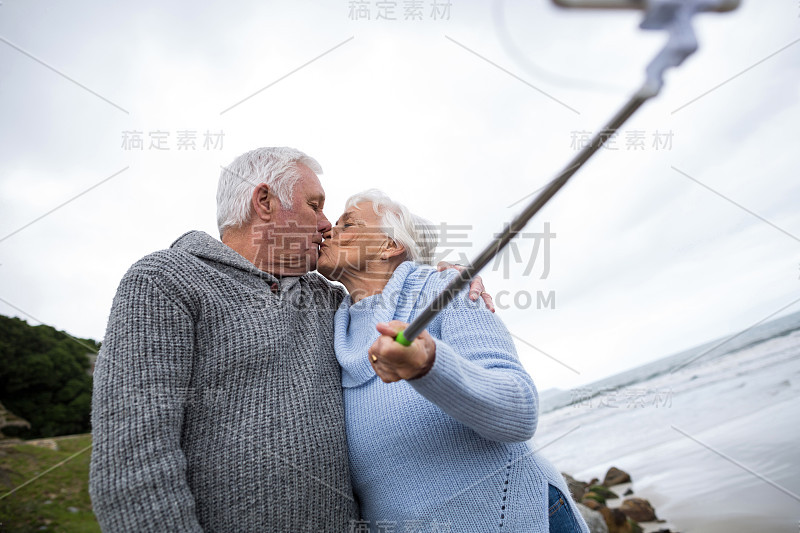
416	234
277	167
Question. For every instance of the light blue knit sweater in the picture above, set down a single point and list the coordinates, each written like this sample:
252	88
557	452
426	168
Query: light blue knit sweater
450	451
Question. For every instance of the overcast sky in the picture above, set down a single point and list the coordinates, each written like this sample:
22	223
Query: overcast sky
687	231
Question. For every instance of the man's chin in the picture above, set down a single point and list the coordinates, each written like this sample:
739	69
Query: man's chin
297	265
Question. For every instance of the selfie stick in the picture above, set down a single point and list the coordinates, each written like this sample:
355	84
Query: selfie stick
671	15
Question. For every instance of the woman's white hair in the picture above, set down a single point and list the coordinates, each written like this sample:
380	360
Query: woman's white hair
277	167
416	234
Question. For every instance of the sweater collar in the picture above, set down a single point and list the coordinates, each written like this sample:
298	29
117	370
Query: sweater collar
352	343
203	246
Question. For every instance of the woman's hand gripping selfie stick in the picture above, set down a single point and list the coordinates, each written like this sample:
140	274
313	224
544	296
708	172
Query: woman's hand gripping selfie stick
671	15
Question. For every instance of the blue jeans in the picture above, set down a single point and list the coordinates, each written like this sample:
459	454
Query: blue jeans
561	518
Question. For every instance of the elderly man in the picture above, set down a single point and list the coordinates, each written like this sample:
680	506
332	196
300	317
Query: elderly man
217	400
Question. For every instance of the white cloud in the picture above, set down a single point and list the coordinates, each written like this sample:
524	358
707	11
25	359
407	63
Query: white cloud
646	261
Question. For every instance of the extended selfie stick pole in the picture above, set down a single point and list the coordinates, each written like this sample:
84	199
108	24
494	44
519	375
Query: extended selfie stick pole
672	15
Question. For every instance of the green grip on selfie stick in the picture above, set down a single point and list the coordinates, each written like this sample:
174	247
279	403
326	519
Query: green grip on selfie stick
402	339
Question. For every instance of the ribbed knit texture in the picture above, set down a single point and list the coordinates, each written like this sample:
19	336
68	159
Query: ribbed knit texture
217	403
449	451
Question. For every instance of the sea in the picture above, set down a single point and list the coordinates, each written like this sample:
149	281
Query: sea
710	436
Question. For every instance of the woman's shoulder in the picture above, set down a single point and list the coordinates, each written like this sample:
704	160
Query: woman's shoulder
417	276
422	284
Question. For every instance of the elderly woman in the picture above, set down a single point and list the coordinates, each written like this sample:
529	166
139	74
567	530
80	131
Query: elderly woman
438	432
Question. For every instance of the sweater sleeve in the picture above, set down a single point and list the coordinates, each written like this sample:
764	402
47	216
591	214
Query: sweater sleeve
138	470
477	377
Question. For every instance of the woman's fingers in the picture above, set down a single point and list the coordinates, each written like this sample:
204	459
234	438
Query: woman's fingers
392	361
391	328
476	288
487	299
444	265
381	368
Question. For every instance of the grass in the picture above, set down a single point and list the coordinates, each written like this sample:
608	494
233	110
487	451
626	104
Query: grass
57	501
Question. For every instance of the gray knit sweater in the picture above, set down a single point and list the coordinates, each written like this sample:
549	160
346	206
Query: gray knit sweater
217	399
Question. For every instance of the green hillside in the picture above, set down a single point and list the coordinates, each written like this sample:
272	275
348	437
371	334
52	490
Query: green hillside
56	501
44	378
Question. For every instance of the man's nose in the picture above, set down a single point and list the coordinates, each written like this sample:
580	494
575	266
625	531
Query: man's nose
324	225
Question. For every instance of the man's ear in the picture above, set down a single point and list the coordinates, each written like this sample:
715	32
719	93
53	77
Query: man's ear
263	202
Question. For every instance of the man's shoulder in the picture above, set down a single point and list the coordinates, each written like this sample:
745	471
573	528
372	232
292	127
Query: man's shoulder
171	269
163	263
159	275
178	257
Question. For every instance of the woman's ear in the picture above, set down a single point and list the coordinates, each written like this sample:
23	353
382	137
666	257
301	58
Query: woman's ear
392	249
263	202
